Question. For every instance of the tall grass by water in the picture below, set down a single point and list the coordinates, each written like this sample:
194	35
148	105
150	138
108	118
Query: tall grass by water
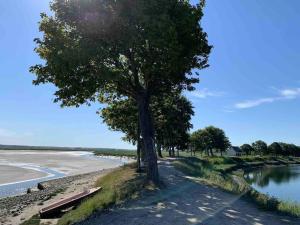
214	171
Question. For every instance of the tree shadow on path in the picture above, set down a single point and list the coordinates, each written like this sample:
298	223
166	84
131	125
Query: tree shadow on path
186	202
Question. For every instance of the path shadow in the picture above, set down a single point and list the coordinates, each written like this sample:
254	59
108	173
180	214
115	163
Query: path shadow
186	202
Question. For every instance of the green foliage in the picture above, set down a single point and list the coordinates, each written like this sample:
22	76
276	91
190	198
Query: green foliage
124	49
121	153
290	149
247	149
34	220
206	171
275	149
118	186
260	147
209	139
120	47
122	115
172	120
171	116
291	208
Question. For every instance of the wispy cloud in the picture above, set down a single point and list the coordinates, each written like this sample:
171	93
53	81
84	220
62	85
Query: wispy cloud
290	93
284	94
205	93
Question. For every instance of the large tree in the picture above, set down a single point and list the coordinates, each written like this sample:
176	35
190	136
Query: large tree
132	48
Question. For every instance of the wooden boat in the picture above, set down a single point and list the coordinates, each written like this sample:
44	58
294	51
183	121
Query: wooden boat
56	207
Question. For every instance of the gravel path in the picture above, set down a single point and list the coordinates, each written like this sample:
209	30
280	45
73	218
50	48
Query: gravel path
186	202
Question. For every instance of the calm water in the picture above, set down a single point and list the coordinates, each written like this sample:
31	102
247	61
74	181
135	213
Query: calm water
279	182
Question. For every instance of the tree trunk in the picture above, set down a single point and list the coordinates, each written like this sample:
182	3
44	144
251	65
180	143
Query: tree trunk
147	132
138	157
211	152
170	152
173	151
143	157
159	150
138	149
207	152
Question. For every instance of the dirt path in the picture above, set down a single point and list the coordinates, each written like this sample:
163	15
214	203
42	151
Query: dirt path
186	202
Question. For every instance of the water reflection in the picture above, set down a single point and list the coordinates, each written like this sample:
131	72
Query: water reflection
280	182
262	177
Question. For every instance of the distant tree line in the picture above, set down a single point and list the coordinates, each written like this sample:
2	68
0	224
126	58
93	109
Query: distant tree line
276	148
212	140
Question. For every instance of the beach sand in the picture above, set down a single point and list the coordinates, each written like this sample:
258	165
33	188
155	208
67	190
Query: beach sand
10	174
82	169
70	163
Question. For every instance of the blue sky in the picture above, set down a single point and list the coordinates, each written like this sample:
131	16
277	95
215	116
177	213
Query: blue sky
251	90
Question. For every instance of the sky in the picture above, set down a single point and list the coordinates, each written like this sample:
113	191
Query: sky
251	89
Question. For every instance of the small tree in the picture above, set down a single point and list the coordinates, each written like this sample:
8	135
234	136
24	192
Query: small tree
247	149
209	139
260	147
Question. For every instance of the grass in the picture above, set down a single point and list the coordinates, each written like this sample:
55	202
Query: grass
206	171
34	220
214	171
112	152
118	186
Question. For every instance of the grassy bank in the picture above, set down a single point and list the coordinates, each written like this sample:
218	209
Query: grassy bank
119	153
34	220
221	172
119	185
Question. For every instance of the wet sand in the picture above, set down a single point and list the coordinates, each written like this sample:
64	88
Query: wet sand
70	163
10	174
19	165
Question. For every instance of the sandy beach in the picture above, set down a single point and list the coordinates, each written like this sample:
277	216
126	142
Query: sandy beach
10	174
79	170
68	162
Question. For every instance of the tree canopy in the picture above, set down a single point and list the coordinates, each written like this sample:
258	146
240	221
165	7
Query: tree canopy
275	148
209	139
247	149
135	49
171	115
260	147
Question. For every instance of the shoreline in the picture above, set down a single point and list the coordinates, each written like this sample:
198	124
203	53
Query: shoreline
14	174
232	180
15	209
24	169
